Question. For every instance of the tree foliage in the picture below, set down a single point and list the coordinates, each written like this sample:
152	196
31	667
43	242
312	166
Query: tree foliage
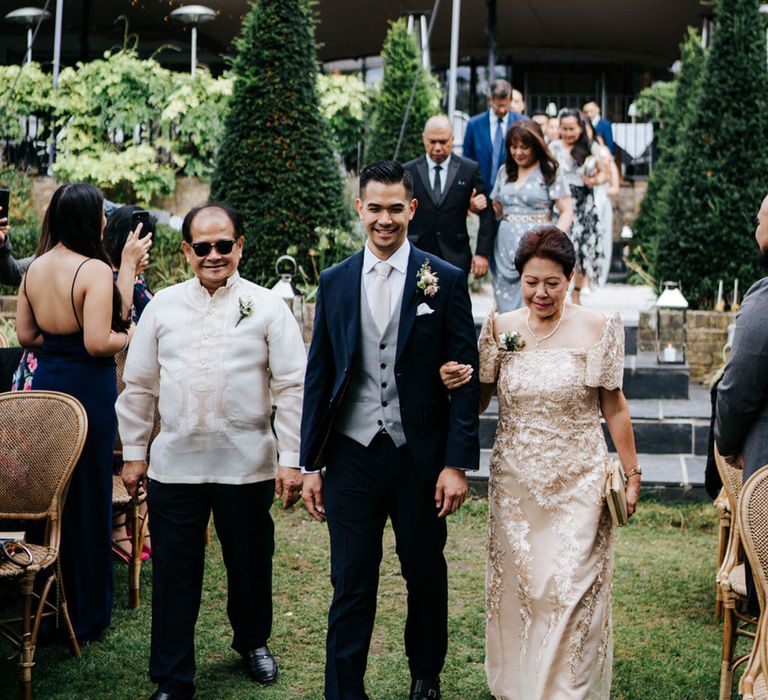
276	163
343	102
669	106
401	64
124	123
716	189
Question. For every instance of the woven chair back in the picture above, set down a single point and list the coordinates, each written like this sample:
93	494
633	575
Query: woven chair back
3	340
732	479
753	521
42	434
120	362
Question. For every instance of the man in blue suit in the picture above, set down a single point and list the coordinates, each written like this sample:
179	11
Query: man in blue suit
484	137
393	442
601	126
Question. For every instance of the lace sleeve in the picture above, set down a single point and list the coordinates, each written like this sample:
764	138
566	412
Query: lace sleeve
605	360
489	350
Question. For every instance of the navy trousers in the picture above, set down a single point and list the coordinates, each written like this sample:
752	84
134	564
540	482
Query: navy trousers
179	515
363	486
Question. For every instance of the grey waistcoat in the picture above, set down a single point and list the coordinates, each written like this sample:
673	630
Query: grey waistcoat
371	400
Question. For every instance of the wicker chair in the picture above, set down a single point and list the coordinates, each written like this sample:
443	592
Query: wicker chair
3	340
43	433
731	581
130	509
753	525
723	534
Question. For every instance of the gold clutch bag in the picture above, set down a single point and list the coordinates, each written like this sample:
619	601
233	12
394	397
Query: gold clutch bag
616	495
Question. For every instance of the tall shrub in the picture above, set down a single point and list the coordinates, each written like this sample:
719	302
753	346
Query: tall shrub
401	64
670	109
276	163
716	190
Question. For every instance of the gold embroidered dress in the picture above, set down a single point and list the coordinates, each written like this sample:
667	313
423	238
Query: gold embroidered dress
550	539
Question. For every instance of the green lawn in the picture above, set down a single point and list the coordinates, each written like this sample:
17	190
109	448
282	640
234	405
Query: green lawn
667	644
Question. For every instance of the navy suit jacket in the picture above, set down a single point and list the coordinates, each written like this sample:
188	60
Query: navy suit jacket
441	428
603	128
478	145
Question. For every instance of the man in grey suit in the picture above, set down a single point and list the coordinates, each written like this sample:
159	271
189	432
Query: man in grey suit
741	424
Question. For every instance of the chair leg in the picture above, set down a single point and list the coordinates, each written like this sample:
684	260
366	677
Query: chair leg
73	643
134	567
729	643
27	648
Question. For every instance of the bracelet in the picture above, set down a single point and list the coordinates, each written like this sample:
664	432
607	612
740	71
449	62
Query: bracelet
634	471
127	340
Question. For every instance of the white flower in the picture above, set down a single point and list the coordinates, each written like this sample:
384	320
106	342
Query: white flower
246	308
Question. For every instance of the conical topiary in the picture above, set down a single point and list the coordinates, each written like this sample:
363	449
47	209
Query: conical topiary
276	163
723	163
401	63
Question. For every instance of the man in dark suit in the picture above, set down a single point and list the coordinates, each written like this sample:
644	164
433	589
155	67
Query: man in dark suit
445	187
741	413
741	425
601	126
392	442
484	137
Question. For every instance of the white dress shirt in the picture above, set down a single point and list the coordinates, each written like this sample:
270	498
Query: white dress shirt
431	165
399	263
494	120
217	376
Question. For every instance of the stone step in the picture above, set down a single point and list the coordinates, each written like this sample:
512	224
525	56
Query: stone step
661	426
645	378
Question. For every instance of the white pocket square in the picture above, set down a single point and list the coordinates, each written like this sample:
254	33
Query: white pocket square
424	310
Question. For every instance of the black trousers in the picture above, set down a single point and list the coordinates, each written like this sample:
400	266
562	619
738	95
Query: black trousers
179	515
363	486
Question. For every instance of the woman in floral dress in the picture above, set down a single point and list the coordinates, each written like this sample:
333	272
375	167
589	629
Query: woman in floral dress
527	188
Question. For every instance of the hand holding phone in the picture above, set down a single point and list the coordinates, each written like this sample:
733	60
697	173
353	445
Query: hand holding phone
141	217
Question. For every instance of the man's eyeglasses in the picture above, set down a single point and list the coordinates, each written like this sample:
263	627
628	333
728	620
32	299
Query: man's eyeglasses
222	247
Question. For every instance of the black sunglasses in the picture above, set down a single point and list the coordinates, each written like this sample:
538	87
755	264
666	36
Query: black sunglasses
222	247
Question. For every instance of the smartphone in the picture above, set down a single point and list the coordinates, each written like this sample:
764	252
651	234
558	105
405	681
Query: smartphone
140	217
5	199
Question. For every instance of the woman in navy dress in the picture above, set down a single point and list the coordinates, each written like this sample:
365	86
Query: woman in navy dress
69	311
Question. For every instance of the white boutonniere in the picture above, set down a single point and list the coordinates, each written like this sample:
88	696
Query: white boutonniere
246	308
427	280
511	342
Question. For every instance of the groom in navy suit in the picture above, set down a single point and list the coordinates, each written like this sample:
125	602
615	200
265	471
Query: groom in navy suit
392	441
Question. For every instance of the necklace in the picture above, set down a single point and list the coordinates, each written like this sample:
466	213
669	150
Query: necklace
549	335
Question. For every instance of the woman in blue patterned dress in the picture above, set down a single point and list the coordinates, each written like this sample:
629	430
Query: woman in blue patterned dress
527	189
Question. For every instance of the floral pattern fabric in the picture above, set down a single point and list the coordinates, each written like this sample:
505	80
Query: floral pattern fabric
550	541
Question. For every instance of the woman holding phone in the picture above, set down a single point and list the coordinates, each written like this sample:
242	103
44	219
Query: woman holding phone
70	312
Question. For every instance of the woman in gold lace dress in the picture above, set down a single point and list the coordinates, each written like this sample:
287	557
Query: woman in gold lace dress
555	367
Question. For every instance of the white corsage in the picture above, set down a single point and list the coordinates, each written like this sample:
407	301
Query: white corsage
511	342
246	308
427	280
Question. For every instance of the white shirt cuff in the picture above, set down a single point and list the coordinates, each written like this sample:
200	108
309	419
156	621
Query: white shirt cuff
289	459
134	453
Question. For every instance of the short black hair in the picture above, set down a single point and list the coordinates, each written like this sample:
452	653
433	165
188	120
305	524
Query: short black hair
232	214
387	172
500	89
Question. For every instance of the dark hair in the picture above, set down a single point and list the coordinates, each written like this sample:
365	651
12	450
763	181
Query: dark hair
232	214
500	89
117	229
73	218
388	172
529	133
546	242
580	149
